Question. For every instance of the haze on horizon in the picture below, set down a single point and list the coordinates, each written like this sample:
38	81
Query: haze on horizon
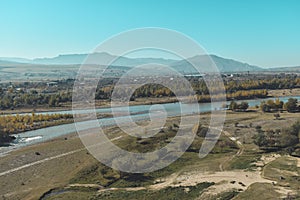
262	33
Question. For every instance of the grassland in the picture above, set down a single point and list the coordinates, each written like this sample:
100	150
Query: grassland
239	170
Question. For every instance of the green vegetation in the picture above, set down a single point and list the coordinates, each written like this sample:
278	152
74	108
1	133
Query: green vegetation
271	82
105	176
245	161
92	180
71	195
243	106
278	139
285	171
227	195
18	98
273	106
97	174
203	95
190	192
259	191
169	193
59	93
240	88
292	105
5	139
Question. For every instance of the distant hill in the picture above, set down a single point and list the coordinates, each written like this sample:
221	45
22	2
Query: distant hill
15	60
285	69
6	63
100	59
67	59
223	64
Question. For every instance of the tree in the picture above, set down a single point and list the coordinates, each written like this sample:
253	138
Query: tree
258	128
286	140
264	107
278	138
202	131
295	129
243	106
233	105
291	105
271	105
278	104
260	139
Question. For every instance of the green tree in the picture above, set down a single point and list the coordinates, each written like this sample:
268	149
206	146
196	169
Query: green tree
291	105
233	105
260	139
243	106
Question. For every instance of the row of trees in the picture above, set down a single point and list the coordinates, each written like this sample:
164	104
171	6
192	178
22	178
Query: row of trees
243	106
235	89
154	90
266	83
12	124
199	87
16	100
270	106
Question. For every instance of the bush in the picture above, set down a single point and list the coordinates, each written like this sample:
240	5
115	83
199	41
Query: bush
202	131
271	105
283	138
291	105
243	106
277	116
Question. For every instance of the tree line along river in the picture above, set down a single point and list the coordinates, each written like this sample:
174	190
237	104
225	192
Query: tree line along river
137	113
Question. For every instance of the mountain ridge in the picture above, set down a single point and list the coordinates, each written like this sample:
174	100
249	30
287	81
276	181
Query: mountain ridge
223	64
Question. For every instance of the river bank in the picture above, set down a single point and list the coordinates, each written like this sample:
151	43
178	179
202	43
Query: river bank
137	113
138	101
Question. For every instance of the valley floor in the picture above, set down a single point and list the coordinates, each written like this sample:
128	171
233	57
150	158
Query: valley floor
63	169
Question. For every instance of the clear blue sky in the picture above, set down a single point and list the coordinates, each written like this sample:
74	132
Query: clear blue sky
260	32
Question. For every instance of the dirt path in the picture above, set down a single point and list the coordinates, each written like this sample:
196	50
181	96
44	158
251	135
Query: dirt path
126	189
39	162
238	153
165	182
86	185
46	159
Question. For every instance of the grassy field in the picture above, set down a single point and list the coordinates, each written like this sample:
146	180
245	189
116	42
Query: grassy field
284	170
168	193
78	175
259	191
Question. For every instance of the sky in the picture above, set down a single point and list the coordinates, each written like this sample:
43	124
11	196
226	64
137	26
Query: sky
265	33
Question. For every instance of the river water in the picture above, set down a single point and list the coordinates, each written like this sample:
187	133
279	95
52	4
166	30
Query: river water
137	113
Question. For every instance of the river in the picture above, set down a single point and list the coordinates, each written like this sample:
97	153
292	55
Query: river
137	113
